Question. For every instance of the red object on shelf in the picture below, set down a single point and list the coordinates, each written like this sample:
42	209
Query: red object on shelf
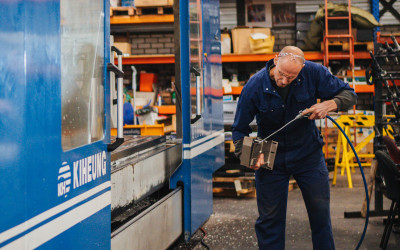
235	91
364	88
382	38
146	81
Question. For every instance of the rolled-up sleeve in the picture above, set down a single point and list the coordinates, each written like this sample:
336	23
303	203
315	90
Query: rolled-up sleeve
345	100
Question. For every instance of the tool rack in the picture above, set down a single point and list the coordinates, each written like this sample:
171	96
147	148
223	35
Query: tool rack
384	74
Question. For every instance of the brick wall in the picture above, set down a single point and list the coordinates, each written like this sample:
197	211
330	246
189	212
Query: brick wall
283	37
152	44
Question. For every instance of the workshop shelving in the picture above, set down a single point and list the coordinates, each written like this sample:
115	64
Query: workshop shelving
229	58
360	88
144	19
170	59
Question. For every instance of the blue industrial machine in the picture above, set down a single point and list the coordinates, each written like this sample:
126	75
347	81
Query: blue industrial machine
61	186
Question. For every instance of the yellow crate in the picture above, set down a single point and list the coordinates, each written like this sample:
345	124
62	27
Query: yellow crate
157	129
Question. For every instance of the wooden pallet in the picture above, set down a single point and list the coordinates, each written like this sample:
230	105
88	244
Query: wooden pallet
229	146
221	192
292	185
169	124
122	11
148	3
239	186
344	46
151	10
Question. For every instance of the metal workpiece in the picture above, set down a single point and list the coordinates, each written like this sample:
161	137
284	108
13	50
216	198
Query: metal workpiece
253	147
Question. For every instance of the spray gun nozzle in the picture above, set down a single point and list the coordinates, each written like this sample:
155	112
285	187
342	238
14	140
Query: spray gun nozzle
300	115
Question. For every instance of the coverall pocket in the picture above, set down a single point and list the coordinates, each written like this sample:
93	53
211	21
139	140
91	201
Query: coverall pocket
304	100
271	115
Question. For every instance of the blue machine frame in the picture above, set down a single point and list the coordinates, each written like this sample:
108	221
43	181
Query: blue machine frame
31	157
34	214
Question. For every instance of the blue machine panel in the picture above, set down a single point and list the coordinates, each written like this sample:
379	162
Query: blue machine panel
48	196
55	190
203	139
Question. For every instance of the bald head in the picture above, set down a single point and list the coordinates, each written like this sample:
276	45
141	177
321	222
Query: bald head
294	50
293	53
288	64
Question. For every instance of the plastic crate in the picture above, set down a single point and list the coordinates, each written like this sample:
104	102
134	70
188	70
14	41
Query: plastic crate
128	3
230	111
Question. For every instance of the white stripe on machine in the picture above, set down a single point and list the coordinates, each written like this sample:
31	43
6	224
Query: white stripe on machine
193	144
59	225
4	236
192	153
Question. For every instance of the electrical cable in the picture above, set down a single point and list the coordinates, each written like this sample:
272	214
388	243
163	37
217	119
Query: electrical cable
202	239
364	180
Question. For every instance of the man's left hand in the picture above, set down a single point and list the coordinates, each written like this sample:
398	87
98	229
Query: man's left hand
320	110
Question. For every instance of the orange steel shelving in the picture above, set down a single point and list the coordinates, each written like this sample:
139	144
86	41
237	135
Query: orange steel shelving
143	19
229	58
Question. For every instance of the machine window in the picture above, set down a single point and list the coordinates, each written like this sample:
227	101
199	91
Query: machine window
196	58
82	78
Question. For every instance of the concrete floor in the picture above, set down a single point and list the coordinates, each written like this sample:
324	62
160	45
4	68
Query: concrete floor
232	224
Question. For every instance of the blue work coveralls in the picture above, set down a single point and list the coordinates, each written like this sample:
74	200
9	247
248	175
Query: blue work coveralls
299	151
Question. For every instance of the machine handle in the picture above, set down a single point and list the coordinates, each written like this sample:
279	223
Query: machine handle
120	119
198	100
194	71
113	68
116	50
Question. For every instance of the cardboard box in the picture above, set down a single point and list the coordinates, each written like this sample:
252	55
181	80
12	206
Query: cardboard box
241	38
124	47
166	97
153	3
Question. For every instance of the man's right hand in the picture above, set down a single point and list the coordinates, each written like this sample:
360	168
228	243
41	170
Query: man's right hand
260	162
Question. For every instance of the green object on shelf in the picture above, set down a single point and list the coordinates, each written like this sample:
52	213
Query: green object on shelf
127	96
173	97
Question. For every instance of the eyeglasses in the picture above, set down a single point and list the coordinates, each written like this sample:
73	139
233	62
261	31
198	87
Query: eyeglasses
293	57
288	77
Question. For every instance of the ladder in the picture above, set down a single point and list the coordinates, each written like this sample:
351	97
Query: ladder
349	36
329	56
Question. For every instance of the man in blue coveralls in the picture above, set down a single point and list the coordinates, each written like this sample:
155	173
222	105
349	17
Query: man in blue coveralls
275	95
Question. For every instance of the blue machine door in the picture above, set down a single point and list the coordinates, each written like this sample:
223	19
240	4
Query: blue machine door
55	169
202	113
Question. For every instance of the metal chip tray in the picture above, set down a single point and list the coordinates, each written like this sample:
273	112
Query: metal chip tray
134	144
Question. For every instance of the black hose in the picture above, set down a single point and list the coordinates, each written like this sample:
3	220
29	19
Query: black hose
364	180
